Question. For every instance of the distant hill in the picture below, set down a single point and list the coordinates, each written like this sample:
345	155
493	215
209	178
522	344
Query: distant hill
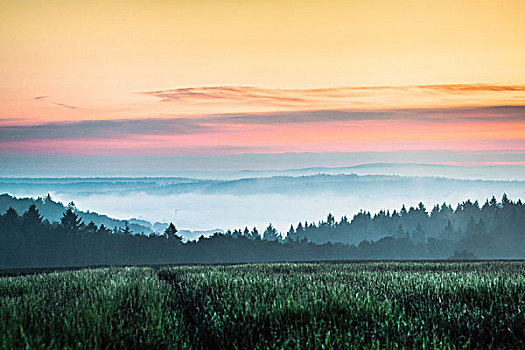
53	211
314	183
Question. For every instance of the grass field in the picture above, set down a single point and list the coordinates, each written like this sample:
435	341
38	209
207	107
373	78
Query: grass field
298	306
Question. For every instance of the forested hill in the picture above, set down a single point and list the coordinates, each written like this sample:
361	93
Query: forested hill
495	230
52	211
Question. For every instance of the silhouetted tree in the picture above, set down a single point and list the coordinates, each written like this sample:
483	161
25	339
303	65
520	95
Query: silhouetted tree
71	221
270	234
126	231
104	229
32	217
255	233
330	220
290	235
171	234
91	228
505	200
11	215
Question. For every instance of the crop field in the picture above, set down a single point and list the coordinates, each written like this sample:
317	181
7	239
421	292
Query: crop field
294	306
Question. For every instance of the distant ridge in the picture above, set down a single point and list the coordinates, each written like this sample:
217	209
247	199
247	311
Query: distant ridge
471	172
485	172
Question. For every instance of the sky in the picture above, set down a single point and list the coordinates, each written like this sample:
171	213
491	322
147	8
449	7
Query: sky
228	82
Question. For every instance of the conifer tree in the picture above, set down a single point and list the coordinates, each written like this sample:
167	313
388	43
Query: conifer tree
71	221
32	217
270	234
255	233
126	230
171	234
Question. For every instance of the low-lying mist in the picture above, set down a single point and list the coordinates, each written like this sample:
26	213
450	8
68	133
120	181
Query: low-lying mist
280	200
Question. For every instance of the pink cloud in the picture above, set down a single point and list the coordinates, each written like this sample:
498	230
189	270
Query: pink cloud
354	136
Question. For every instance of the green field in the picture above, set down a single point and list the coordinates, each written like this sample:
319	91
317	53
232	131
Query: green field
298	306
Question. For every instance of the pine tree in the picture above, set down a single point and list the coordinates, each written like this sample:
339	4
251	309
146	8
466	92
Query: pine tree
71	221
505	200
270	234
126	230
48	199
330	220
104	229
171	234
290	235
91	227
435	211
11	214
32	217
403	211
255	233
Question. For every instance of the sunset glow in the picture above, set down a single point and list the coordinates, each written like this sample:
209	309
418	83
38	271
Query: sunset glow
262	77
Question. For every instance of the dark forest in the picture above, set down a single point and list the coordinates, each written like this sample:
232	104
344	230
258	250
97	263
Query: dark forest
494	230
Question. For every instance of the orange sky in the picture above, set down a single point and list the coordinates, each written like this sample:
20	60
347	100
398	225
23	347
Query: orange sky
74	61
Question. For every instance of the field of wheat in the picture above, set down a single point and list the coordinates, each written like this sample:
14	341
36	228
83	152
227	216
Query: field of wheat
265	306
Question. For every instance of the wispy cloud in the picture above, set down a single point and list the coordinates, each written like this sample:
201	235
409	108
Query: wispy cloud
473	87
46	97
230	93
345	97
64	105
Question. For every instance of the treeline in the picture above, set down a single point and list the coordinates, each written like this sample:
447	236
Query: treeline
53	210
28	240
495	230
499	219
